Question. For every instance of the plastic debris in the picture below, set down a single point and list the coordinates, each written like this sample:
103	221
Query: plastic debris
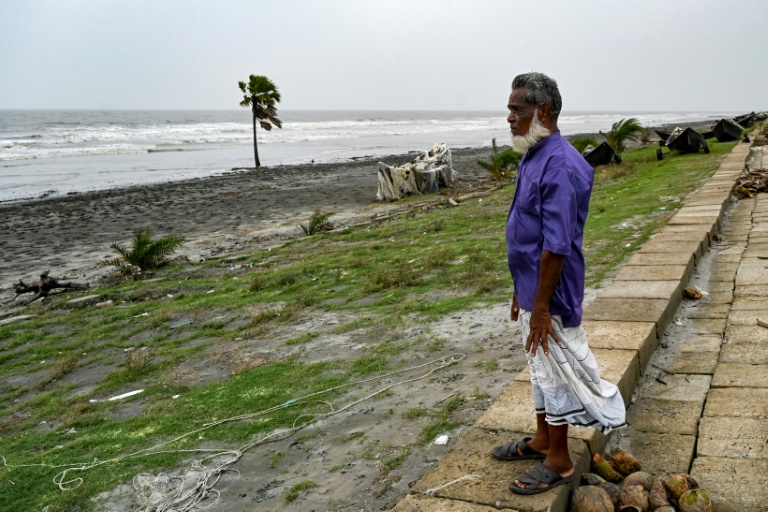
126	395
441	440
180	324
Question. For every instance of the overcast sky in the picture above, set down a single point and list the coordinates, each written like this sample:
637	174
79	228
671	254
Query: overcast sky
689	55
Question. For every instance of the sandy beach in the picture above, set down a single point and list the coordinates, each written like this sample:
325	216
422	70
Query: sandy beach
69	235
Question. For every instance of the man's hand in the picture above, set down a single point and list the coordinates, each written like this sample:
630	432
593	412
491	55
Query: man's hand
515	311
541	329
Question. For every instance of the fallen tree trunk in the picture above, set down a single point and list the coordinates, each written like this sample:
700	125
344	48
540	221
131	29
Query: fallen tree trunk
44	286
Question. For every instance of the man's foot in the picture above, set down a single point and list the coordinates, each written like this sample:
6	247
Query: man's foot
521	450
541	478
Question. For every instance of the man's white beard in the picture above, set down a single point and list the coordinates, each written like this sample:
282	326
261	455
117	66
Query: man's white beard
536	133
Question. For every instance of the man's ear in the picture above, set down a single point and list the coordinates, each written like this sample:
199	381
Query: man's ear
543	112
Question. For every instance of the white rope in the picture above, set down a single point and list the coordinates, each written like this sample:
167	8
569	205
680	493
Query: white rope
433	490
160	493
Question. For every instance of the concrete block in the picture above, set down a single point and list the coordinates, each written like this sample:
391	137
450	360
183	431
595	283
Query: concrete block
737	402
685	388
513	411
722	297
420	503
733	485
657	311
643	289
84	301
745	318
757	290
718	286
693	247
665	416
652	273
639	336
660	452
709	311
745	352
742	303
728	276
724	436
708	325
14	319
669	258
706	343
700	363
729	375
620	367
747	333
469	473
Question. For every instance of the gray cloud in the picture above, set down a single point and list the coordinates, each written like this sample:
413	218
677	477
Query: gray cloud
388	54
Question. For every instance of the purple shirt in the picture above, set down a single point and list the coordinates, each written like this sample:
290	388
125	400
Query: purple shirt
551	203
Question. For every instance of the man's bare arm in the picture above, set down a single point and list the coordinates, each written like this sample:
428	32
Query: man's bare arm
551	266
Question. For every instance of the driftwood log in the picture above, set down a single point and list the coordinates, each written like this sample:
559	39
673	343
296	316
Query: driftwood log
43	287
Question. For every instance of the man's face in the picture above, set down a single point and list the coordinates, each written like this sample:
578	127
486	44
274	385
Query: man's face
520	112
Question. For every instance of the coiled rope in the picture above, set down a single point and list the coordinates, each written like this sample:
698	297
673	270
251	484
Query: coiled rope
160	493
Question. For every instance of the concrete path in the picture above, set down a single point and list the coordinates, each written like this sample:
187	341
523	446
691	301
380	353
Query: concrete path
624	325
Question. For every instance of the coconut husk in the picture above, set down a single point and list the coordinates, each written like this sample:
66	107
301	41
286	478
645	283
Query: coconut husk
695	500
665	508
624	462
678	485
641	478
601	467
592	478
590	498
613	491
692	293
633	496
658	495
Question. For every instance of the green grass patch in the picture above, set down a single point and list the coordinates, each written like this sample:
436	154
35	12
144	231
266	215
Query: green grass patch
293	493
381	278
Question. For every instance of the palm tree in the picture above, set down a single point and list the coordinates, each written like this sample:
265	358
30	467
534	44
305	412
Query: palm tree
261	94
623	131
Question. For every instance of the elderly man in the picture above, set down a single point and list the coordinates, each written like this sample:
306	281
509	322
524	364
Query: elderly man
545	229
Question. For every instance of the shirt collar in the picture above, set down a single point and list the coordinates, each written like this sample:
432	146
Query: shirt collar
550	139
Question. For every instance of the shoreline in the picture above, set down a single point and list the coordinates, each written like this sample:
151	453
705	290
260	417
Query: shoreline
69	235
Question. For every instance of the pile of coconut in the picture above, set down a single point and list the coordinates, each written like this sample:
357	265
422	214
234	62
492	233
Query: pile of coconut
618	484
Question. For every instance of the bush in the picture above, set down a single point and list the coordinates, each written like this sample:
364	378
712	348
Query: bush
145	253
501	164
317	223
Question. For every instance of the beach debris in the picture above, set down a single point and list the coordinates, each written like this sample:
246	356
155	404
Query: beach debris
442	440
44	286
126	395
633	496
591	499
692	293
750	183
426	173
640	491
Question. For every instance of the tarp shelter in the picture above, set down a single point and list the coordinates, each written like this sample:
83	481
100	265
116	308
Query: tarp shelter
426	173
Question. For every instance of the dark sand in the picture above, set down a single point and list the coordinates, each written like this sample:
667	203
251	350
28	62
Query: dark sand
71	234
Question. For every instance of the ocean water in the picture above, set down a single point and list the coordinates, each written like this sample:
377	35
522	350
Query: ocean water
57	152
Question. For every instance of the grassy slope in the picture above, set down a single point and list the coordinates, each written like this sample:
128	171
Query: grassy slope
427	265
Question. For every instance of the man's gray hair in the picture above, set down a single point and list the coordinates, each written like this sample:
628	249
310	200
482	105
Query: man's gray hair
541	89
